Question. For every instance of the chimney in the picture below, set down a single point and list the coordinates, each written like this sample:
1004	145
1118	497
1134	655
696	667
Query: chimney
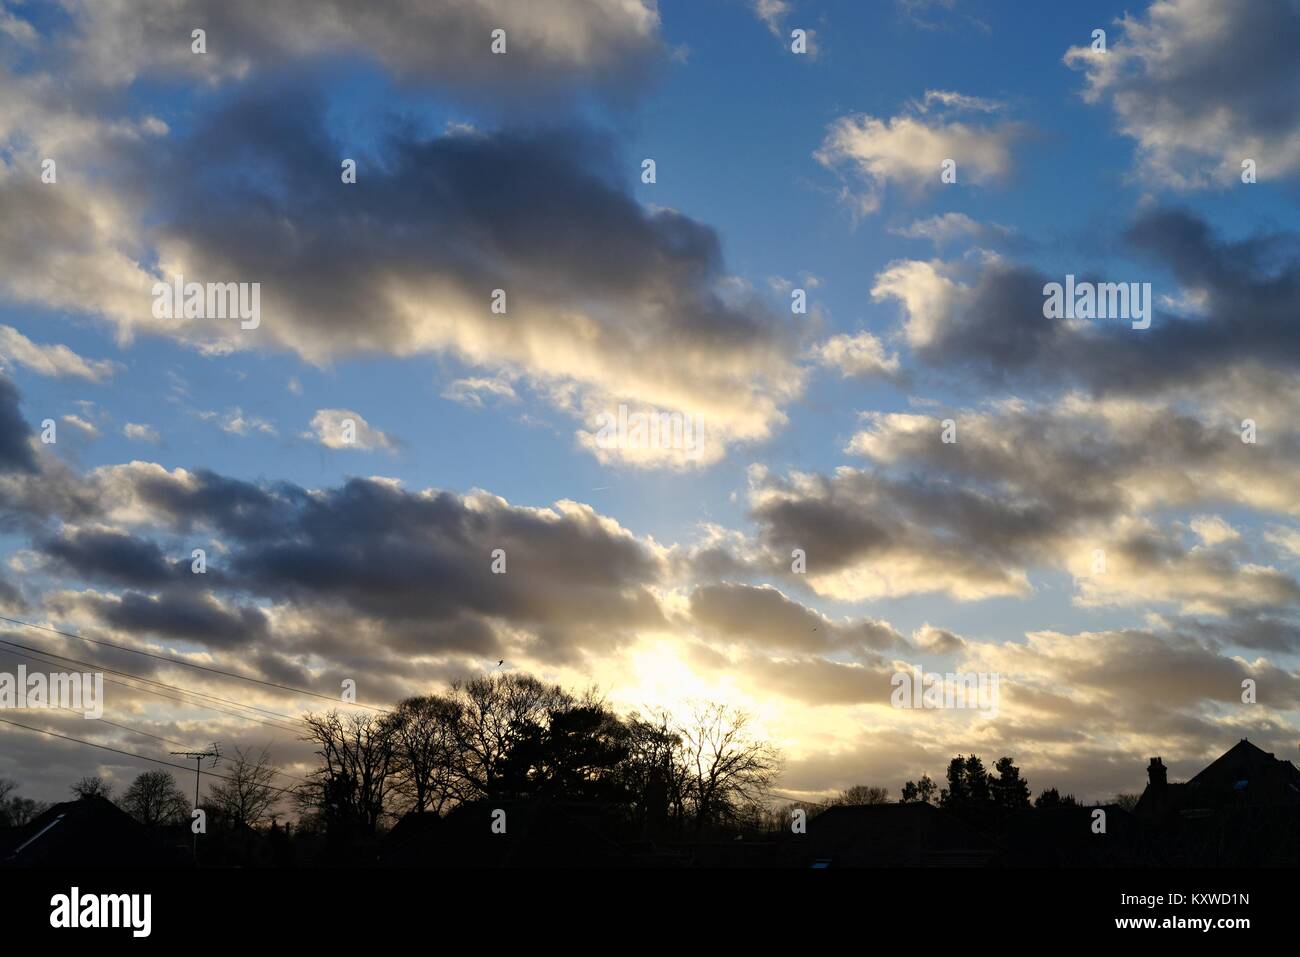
1157	774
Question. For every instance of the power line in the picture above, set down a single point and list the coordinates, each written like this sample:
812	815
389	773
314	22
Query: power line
44	656
127	727
132	754
189	664
41	658
163	684
158	737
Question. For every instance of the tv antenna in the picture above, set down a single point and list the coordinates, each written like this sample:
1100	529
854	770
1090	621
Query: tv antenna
213	753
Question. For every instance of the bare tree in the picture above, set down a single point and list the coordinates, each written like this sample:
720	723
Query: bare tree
496	713
351	789
93	787
427	743
155	799
655	772
245	797
861	794
1127	801
731	773
15	811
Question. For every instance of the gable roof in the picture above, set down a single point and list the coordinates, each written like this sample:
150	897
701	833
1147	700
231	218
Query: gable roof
1246	762
1243	776
91	832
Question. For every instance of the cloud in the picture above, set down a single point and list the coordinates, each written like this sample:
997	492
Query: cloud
909	150
176	615
235	422
396	587
470	392
950	99
980	517
410	570
868	536
16	453
53	360
608	303
551	45
138	432
345	429
763	617
953	227
857	355
1164	78
81	425
985	317
773	14
110	555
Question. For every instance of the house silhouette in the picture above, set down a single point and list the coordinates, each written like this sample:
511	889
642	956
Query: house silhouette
1245	776
90	832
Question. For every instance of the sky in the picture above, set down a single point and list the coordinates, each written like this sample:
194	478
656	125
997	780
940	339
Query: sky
1104	517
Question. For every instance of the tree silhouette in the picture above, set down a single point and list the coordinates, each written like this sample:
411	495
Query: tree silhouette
497	711
572	755
16	811
426	744
919	792
730	772
1010	790
246	796
654	773
861	794
350	790
1051	798
154	799
89	787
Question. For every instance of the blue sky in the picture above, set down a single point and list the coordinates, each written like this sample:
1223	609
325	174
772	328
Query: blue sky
740	129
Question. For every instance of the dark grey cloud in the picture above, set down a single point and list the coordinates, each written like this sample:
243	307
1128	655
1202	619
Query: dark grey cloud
552	46
11	596
180	615
415	569
15	436
110	555
762	617
869	534
993	329
405	261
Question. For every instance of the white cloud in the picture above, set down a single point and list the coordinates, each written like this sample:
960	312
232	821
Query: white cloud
235	422
138	432
470	391
345	429
910	149
1213	530
54	360
82	426
1201	85
858	355
950	227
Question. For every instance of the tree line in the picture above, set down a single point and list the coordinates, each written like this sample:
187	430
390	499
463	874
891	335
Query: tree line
514	737
506	737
